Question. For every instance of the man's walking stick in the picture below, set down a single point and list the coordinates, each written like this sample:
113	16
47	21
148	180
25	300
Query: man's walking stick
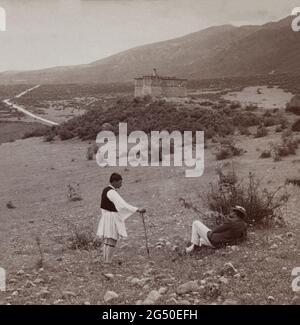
145	230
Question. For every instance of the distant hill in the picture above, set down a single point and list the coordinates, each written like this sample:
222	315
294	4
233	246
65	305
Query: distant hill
222	51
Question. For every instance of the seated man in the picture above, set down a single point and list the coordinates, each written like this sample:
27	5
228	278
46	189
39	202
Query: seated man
233	230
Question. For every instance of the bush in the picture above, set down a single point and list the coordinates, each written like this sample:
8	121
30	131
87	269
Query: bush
228	150
38	132
295	181
83	239
296	126
251	108
74	193
265	154
293	109
244	131
261	205
262	131
287	147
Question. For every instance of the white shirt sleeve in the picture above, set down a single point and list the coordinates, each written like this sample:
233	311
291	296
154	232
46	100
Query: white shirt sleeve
125	209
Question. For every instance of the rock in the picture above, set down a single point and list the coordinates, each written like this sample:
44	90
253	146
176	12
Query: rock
44	293
212	290
66	294
12	280
109	276
296	300
188	287
223	280
274	246
139	302
10	205
15	293
230	302
58	301
110	295
148	302
162	290
20	272
271	298
29	284
86	303
173	301
39	280
184	302
228	269
203	282
136	281
154	295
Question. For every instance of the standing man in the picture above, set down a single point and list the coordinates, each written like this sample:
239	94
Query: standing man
114	212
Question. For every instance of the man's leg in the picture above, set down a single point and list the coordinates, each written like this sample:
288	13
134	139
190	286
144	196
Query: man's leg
109	246
199	235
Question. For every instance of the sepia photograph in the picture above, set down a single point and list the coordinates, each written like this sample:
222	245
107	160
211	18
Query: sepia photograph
149	155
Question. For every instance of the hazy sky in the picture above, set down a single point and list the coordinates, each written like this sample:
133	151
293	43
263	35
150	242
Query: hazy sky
45	33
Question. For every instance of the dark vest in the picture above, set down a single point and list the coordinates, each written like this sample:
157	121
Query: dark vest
106	203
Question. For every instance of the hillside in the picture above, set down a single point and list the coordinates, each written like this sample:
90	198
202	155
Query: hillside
222	51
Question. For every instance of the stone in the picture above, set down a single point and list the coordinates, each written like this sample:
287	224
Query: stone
86	303
223	280
109	276
228	269
110	295
20	272
38	280
67	294
188	287
136	281
154	295
44	293
12	280
29	284
271	298
184	302
230	302
58	301
274	246
162	290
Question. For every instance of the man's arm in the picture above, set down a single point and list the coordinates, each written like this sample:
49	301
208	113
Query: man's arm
119	202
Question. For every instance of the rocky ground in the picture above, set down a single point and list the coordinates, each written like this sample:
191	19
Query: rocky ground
39	225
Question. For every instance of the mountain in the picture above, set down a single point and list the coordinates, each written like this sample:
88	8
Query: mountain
222	51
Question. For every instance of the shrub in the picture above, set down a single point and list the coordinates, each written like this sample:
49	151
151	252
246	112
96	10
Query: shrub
261	205
262	131
228	150
251	108
235	105
74	193
296	126
244	131
287	147
38	132
83	239
265	154
64	133
293	109
295	181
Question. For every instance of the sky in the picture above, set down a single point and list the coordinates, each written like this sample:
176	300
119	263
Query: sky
47	33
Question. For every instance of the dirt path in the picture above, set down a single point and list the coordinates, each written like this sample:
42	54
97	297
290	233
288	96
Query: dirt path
23	110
